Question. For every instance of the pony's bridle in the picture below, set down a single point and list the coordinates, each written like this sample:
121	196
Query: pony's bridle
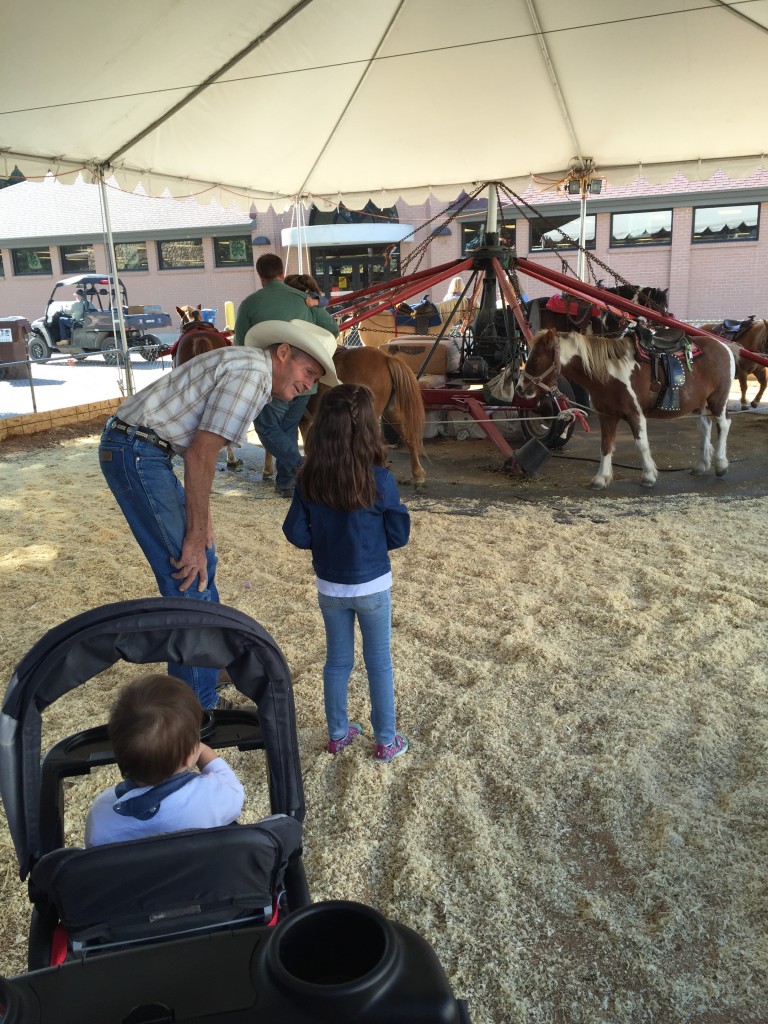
553	370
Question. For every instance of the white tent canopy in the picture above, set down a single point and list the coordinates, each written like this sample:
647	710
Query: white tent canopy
331	99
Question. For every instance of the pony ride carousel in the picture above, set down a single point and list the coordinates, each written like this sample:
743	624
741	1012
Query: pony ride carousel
661	367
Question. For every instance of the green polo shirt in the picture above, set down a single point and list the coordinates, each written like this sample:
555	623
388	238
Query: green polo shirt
277	301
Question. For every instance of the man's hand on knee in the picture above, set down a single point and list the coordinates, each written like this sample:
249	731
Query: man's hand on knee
192	565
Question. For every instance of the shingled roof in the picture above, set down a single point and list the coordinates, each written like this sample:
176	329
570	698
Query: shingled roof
47	210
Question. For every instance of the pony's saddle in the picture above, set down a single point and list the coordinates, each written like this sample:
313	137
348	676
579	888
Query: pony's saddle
670	352
577	310
422	317
733	329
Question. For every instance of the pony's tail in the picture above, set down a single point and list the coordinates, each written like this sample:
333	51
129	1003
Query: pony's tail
408	398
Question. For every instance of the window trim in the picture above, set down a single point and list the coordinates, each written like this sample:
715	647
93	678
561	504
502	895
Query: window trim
170	241
32	273
232	266
71	270
716	241
134	270
589	244
638	245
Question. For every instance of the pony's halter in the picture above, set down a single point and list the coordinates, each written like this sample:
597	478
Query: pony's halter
525	379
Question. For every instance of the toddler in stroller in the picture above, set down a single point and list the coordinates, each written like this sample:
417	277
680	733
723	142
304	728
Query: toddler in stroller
178	927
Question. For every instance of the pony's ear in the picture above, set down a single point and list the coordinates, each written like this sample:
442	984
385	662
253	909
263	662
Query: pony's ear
200	308
180	311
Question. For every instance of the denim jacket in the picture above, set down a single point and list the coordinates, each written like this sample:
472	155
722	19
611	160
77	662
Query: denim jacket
350	547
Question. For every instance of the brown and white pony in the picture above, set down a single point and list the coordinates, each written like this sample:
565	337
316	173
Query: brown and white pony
396	398
753	335
198	336
619	384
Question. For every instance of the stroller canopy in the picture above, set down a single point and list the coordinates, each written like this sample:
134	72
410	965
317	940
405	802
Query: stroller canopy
151	630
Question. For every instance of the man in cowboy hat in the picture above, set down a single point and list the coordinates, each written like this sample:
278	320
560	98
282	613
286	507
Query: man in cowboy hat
194	411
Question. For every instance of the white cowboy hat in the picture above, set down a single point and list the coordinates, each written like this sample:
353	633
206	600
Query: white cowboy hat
314	340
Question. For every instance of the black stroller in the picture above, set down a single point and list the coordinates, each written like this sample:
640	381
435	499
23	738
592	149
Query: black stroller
109	895
179	927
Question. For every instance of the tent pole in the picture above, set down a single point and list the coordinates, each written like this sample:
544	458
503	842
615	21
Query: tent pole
126	361
491	217
581	268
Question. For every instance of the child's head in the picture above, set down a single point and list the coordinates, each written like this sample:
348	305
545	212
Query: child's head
342	447
154	726
304	283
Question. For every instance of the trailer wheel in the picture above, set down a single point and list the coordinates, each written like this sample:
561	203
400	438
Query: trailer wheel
151	347
552	433
112	354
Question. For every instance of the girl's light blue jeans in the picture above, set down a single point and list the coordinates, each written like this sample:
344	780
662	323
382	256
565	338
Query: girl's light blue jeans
374	613
151	498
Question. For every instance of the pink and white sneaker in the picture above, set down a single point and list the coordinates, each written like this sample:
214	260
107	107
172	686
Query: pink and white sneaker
398	746
354	730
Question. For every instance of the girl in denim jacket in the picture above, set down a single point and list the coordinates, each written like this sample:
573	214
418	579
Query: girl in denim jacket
346	509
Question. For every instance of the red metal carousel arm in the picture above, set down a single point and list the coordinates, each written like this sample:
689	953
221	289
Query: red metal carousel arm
406	293
449	268
510	298
584	290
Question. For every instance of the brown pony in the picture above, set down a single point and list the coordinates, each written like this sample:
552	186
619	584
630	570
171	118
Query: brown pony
753	335
396	397
198	336
621	388
570	313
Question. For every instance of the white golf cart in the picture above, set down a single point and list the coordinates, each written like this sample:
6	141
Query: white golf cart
99	328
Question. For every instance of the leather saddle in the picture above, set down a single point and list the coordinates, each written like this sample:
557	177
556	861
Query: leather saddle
670	353
733	329
578	311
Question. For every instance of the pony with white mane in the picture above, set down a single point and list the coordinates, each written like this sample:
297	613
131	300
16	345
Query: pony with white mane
663	376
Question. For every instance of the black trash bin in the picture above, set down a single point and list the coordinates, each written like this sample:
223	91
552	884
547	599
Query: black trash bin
14	334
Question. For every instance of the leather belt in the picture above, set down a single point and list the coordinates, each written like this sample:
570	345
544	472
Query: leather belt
143	434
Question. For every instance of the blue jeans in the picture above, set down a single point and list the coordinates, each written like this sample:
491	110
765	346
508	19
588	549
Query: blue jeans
374	613
151	498
278	428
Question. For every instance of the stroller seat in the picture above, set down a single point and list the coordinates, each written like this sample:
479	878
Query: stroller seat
161	886
150	889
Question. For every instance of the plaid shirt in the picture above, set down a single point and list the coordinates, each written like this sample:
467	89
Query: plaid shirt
220	391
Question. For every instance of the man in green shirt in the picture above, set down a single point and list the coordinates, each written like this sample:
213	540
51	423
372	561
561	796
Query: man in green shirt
278	422
276	301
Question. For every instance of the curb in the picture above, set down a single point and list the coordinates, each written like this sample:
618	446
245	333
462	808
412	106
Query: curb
36	423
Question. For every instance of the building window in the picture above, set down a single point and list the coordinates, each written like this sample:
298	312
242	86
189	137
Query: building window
370	214
77	259
726	223
353	267
131	256
650	227
233	252
181	254
546	233
31	261
473	236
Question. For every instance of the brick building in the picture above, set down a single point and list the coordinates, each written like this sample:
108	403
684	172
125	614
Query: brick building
701	240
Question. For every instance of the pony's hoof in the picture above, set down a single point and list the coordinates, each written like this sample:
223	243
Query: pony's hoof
235	467
753	405
722	471
745	406
598	485
696	471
